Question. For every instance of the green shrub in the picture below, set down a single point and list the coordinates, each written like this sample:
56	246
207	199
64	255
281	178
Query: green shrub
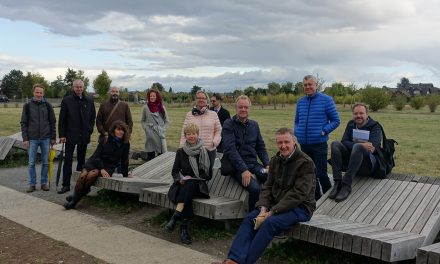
432	101
399	102
376	98
417	102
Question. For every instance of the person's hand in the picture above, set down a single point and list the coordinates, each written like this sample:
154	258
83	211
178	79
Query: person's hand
62	140
246	178
26	143
182	182
368	146
104	173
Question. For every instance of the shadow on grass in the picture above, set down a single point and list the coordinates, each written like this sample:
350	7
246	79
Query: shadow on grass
112	201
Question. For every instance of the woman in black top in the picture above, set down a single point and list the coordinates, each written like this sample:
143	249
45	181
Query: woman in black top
108	155
191	170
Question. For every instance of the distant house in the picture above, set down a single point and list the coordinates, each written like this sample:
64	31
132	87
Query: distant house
414	89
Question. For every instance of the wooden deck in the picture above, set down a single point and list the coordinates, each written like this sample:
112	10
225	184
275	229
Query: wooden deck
429	254
228	198
156	172
385	219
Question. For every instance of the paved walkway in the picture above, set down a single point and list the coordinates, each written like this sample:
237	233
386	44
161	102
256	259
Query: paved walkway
93	235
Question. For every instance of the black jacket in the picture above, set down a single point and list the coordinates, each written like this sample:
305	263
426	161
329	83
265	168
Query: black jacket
108	155
38	121
222	114
77	118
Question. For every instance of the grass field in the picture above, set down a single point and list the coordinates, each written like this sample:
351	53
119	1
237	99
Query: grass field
417	132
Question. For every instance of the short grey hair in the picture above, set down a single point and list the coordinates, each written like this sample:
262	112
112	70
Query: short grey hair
286	130
78	81
243	97
310	77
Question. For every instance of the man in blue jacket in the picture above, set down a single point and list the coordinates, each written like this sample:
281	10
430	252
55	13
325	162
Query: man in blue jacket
355	152
316	117
243	145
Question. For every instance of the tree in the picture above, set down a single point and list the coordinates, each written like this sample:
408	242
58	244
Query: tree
80	75
195	89
399	102
157	86
237	92
376	98
299	88
58	87
72	75
170	90
28	82
287	88
432	101
404	83
250	91
11	84
101	85
417	102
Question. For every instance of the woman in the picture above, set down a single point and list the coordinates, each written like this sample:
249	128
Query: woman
191	170
207	121
108	155
154	122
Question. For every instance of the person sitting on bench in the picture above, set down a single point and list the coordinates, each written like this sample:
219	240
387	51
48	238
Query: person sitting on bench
355	152
287	197
108	155
191	170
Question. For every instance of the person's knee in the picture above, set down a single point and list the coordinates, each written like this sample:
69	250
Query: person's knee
336	146
358	148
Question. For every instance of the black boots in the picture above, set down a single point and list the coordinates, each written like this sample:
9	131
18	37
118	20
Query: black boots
185	238
335	190
73	199
169	227
343	193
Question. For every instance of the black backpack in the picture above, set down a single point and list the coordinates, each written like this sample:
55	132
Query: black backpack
385	156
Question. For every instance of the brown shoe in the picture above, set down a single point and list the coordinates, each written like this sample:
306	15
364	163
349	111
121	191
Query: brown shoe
44	187
31	189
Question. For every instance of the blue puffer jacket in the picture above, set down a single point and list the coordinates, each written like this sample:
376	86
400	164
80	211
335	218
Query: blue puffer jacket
315	114
242	143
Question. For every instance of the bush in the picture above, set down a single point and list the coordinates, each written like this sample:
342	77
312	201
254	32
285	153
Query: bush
376	98
417	102
432	101
399	102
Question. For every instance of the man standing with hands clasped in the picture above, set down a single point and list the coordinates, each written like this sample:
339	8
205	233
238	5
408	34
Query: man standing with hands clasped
287	197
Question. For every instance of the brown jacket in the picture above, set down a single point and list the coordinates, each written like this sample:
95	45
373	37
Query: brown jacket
121	113
290	183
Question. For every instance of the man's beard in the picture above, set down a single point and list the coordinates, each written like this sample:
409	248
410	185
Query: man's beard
114	98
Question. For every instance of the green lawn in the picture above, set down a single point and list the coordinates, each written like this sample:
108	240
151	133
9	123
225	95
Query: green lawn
417	131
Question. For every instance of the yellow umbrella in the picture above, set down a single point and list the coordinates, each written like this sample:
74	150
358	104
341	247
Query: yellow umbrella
52	154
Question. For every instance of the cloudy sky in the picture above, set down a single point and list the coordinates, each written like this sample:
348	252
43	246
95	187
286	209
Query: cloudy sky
224	45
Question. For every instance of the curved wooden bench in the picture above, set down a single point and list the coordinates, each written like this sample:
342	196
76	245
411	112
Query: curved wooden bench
429	254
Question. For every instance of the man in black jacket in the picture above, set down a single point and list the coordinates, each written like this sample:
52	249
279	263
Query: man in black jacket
76	121
222	113
38	130
355	153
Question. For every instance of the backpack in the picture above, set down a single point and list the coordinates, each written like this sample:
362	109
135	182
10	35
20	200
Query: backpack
385	156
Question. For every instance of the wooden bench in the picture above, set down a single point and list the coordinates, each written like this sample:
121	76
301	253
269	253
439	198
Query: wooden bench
16	141
228	198
155	172
384	219
429	254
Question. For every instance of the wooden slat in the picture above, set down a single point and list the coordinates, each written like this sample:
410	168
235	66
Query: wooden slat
415	216
428	254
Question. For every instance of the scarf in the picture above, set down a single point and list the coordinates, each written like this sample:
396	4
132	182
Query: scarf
195	111
192	152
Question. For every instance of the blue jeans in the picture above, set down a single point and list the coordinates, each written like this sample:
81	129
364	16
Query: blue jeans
44	145
318	153
249	244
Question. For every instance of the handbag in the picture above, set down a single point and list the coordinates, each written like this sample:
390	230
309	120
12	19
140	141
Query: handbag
226	167
173	192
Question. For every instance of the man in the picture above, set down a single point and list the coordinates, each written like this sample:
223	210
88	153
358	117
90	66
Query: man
316	117
76	121
112	110
242	144
38	130
222	113
287	197
355	153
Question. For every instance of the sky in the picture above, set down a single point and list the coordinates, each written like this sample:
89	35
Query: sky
224	45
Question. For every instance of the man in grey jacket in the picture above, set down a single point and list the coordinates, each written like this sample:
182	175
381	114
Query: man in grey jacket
38	130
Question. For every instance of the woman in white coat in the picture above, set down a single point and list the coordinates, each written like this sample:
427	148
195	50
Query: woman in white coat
154	122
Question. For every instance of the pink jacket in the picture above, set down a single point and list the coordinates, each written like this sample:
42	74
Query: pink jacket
210	129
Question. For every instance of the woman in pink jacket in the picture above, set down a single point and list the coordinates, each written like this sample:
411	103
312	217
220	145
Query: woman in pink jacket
206	120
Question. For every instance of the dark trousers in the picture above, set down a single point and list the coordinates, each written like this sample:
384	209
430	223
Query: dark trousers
318	153
187	192
68	159
249	244
355	163
254	186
